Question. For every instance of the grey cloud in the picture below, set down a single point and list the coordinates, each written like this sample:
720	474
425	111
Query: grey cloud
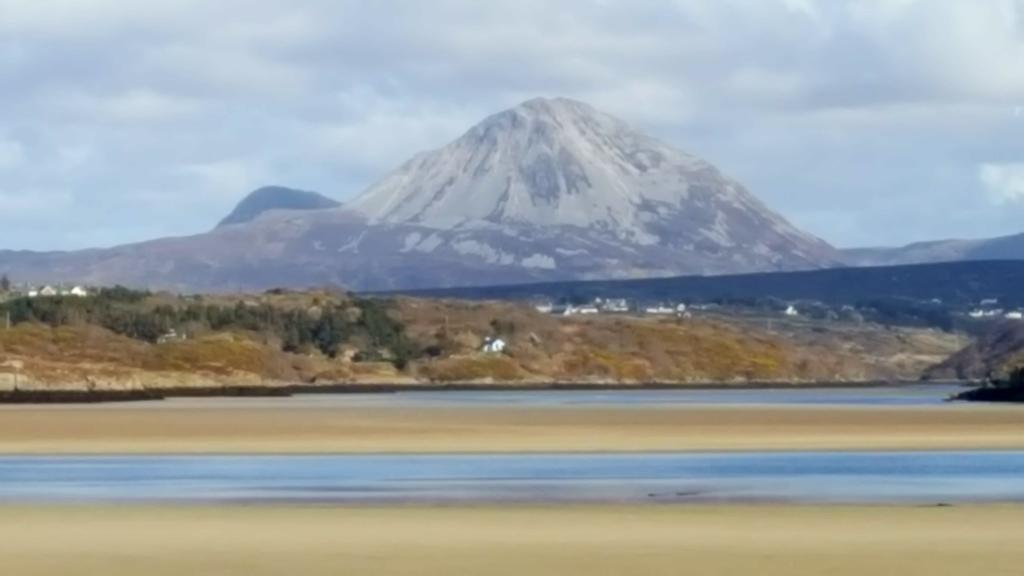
866	121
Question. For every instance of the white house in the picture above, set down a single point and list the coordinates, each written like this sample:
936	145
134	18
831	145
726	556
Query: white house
48	291
791	311
78	291
545	308
581	310
616	305
660	310
171	335
494	346
1014	316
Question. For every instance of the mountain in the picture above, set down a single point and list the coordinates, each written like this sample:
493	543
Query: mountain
593	193
271	198
1001	248
550	190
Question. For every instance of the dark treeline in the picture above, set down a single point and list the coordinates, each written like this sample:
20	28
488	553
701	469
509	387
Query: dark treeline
325	327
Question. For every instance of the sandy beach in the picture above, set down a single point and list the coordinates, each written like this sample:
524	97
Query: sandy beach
276	427
650	540
769	540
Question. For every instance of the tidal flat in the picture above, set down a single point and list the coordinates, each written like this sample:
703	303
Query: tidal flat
600	540
904	419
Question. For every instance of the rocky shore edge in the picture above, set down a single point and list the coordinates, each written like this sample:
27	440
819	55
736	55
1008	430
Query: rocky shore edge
97	396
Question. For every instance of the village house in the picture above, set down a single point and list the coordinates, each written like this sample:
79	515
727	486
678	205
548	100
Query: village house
171	335
589	310
76	291
615	305
494	346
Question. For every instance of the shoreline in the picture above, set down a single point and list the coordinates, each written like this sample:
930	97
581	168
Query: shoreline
96	396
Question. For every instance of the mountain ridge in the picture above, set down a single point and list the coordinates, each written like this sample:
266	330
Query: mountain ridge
561	163
1009	247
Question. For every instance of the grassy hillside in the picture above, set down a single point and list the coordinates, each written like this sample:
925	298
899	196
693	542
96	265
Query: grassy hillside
995	354
630	349
127	340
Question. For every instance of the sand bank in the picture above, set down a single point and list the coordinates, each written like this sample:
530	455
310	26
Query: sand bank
266	427
651	540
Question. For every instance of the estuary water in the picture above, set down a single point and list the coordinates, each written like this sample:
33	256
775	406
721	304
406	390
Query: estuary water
908	395
807	477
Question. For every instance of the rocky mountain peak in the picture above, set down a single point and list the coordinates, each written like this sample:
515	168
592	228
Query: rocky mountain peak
562	164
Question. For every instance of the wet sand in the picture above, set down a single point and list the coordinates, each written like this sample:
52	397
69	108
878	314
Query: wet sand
227	426
651	540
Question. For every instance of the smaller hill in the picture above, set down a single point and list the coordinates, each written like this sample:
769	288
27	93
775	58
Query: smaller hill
270	198
996	354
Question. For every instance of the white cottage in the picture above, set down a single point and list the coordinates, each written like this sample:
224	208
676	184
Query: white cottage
494	346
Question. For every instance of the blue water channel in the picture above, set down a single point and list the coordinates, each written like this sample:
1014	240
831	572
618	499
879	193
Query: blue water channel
907	395
811	477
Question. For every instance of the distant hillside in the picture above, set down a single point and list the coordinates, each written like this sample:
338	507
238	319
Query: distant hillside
955	284
121	340
270	198
995	354
1001	248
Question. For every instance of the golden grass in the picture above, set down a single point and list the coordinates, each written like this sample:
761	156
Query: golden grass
77	356
223	354
617	349
472	368
536	541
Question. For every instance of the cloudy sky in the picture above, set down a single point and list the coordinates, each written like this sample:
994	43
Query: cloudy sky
865	121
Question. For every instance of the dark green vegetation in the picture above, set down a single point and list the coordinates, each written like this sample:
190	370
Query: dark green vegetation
1010	389
918	295
326	324
276	198
995	354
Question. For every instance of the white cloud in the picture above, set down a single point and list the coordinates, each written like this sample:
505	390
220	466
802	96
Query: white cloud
228	177
12	154
819	106
131	106
34	203
1003	182
74	156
